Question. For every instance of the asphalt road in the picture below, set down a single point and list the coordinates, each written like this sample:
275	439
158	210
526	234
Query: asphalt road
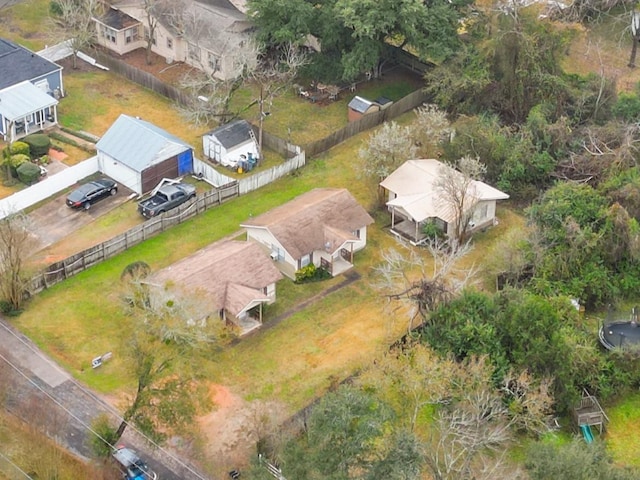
43	394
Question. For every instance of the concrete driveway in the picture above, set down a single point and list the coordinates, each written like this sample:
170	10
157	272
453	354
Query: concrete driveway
54	221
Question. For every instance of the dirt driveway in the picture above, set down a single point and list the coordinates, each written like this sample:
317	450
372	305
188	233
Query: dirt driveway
54	221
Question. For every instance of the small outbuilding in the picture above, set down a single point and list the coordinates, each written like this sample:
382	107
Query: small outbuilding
138	154
359	106
230	144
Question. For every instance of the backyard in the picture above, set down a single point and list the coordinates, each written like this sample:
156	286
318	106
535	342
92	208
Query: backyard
309	349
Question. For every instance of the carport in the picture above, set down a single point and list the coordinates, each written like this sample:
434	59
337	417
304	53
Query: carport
138	154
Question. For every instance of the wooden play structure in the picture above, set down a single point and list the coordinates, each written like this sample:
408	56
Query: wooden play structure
589	414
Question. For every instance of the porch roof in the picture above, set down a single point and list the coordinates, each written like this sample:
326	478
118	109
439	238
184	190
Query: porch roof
23	99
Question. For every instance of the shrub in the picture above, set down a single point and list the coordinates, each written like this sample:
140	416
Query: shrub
39	144
311	273
28	173
101	443
16	160
432	231
18	148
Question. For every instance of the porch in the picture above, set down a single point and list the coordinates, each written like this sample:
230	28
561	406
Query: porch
409	231
25	109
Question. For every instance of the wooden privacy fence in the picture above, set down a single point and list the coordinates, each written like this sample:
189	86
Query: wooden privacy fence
368	121
142	78
79	262
260	179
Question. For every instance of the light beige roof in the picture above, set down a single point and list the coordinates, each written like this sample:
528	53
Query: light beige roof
415	184
311	220
231	273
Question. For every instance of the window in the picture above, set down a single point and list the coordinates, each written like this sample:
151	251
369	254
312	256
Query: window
193	52
482	212
214	62
305	260
147	34
356	233
131	35
170	43
109	34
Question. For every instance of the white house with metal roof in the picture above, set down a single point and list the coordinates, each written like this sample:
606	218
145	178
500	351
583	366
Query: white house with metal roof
414	199
30	87
138	154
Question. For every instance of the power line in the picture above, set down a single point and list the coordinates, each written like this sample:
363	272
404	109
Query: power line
91	395
16	466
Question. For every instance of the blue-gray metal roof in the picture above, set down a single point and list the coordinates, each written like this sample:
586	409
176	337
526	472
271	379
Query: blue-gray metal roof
18	64
232	134
139	144
360	104
23	99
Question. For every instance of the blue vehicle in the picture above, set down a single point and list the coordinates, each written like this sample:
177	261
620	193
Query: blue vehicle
131	465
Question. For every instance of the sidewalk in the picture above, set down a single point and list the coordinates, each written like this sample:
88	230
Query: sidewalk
47	397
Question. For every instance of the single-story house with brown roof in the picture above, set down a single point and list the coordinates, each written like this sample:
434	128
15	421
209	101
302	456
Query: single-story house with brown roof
236	278
415	199
324	226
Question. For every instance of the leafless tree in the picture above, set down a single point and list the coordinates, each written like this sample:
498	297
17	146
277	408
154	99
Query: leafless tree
74	20
16	245
420	284
469	437
457	188
388	147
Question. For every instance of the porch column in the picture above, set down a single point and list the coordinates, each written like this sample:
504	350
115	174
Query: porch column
260	314
393	217
351	254
416	235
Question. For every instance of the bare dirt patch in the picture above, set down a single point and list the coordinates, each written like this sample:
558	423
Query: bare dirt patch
234	427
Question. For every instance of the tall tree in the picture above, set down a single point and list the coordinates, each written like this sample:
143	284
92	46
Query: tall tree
16	244
430	29
168	330
74	20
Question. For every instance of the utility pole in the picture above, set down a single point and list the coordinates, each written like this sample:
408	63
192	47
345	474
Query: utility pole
635	33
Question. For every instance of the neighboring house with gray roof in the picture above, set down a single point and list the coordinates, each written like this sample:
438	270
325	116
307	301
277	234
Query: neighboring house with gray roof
211	35
30	87
234	278
138	154
324	226
415	198
229	143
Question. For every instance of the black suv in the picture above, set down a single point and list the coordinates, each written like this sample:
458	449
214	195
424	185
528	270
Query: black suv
91	192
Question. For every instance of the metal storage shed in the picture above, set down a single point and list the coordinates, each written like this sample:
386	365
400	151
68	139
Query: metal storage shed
138	154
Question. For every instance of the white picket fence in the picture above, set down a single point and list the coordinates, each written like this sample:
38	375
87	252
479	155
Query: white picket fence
47	187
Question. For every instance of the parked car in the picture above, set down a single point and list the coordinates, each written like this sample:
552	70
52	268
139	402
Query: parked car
131	465
89	193
166	197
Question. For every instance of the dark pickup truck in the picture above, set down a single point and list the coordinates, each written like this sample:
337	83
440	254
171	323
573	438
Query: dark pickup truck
166	198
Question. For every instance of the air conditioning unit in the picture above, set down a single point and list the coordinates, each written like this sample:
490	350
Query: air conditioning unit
274	256
169	60
472	224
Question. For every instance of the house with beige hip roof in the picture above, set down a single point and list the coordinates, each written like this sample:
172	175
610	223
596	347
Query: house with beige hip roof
324	226
237	279
415	198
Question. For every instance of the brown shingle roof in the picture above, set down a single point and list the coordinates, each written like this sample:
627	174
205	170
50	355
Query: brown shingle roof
228	272
310	220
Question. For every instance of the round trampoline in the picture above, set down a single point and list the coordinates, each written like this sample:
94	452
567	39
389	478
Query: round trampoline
620	334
